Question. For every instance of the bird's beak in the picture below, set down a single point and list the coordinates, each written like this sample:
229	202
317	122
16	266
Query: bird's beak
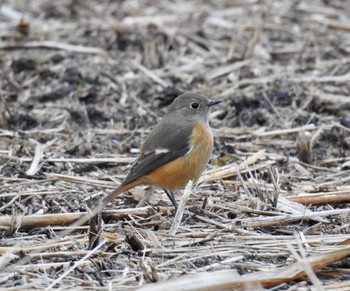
213	102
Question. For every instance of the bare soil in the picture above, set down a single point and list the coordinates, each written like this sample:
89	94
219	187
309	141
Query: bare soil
83	82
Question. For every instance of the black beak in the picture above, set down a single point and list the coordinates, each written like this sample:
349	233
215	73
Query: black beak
213	102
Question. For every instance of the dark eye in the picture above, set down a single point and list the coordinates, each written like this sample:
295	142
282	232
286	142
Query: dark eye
194	105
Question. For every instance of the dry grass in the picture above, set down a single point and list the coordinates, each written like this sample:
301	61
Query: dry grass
82	82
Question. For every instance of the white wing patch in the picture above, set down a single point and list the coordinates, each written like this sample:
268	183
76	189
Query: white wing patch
189	151
161	151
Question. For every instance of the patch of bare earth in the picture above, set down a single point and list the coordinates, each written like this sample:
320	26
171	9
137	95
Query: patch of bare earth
81	84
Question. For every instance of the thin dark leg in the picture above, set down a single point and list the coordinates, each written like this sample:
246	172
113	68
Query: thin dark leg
171	197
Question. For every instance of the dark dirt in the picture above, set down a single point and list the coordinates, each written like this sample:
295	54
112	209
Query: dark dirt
92	105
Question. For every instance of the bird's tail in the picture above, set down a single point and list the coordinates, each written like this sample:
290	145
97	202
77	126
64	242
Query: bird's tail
122	188
89	215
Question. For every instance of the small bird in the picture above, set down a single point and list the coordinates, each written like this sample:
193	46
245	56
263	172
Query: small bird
176	151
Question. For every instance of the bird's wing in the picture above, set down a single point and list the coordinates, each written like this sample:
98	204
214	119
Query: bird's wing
167	142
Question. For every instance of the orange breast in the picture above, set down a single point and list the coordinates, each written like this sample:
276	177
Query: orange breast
177	173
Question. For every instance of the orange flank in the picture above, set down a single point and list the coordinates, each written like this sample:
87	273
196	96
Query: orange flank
177	173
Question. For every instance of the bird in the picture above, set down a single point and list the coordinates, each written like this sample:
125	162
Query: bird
176	151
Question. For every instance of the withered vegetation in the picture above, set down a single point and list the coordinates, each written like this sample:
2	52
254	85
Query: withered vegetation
83	82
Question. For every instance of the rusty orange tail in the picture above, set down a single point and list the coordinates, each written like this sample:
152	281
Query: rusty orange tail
122	188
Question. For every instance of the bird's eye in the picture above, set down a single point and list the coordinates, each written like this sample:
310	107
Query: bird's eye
194	105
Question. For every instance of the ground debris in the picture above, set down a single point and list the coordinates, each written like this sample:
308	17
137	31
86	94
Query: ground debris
81	84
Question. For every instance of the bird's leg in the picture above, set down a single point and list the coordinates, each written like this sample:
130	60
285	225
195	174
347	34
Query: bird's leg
171	197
